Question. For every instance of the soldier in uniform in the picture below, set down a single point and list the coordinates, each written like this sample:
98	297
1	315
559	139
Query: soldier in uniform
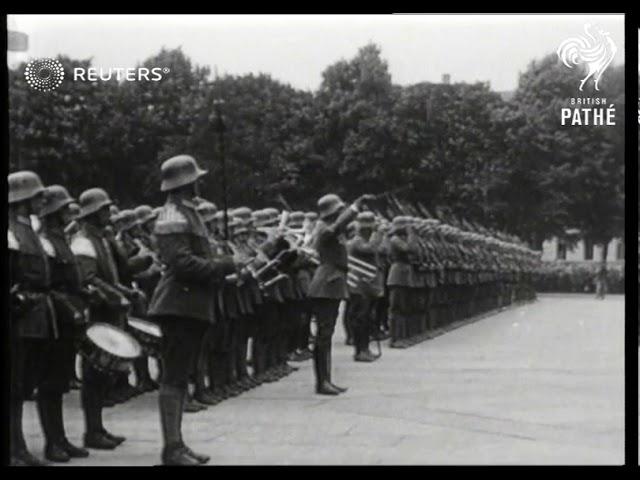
362	297
329	284
95	252
146	279
308	227
380	327
250	298
401	281
132	259
67	296
182	303
32	324
269	243
303	271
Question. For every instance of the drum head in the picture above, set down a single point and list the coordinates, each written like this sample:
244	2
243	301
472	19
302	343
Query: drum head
144	326
113	340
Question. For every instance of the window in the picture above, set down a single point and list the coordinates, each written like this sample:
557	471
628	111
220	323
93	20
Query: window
562	250
588	249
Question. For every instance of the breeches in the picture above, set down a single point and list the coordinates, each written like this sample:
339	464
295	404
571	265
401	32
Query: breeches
181	341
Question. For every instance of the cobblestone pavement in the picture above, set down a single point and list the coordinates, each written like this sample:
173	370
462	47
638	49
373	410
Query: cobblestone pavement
541	383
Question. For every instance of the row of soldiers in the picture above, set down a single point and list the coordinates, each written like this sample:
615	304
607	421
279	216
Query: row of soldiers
434	275
219	284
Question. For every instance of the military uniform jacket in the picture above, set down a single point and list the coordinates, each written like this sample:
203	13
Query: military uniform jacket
251	285
401	273
186	288
66	283
330	278
367	251
96	256
131	259
271	245
304	269
29	268
149	278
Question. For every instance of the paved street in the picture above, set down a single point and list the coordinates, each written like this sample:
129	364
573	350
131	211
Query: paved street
538	384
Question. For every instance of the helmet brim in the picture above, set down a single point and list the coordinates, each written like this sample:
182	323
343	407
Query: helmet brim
172	185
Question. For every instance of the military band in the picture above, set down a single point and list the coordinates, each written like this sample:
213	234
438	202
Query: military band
222	301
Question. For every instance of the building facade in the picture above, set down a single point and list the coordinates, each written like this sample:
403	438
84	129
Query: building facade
584	250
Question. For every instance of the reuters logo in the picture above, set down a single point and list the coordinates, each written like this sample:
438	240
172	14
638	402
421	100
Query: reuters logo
44	74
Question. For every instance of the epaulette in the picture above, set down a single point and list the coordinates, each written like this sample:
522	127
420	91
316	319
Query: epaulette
47	247
171	220
81	246
12	241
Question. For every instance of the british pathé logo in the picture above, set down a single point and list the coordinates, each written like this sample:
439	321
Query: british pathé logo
44	74
595	50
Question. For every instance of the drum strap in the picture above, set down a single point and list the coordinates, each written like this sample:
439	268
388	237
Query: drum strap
110	260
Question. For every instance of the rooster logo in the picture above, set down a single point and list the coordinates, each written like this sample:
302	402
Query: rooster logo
596	50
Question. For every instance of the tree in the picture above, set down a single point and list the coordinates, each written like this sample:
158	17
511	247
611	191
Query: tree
564	176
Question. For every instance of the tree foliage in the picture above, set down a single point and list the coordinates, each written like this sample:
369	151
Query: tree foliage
506	164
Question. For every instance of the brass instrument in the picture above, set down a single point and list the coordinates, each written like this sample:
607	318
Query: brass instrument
144	250
266	275
357	269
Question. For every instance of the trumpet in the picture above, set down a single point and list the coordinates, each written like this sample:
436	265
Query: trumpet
358	269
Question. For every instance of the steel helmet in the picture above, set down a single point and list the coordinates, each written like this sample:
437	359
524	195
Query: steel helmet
329	204
179	171
366	220
127	219
145	213
24	185
55	197
93	200
296	219
207	210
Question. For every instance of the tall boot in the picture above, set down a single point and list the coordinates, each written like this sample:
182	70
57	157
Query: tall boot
357	339
20	455
170	403
241	358
143	377
257	354
214	380
363	354
220	374
348	326
402	329
53	450
58	416
323	387
94	437
327	359
395	340
305	333
200	391
200	458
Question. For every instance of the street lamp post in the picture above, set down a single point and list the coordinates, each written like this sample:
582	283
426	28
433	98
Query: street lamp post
220	129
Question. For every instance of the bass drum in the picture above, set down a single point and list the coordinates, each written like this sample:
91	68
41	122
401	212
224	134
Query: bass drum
109	348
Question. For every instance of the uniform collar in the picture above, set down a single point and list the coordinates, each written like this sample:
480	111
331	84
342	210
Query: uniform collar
93	230
185	202
53	232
